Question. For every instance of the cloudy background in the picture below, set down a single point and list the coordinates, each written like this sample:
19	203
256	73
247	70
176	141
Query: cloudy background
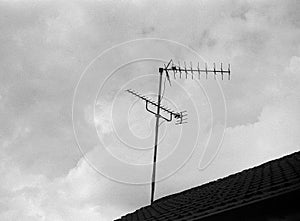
46	45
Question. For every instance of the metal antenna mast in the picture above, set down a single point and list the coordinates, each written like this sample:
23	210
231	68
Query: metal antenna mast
180	116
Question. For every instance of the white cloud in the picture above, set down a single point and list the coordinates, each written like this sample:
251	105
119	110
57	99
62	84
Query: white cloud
45	46
76	196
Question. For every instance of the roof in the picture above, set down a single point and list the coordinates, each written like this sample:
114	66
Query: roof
259	183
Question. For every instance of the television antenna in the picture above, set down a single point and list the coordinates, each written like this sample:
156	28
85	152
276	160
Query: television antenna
181	116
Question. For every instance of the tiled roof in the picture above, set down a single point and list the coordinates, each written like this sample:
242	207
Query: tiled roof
259	183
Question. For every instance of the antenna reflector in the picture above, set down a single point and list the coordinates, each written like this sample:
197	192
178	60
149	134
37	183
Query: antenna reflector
228	71
186	73
215	73
192	70
198	69
222	71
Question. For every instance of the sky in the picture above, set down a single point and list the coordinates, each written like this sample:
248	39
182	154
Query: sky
76	146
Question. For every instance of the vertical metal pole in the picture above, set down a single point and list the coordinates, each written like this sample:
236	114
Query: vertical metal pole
156	136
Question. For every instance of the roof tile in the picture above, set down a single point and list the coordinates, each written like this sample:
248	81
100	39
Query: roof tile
265	181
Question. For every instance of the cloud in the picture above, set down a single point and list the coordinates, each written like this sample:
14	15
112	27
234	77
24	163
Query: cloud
71	197
46	45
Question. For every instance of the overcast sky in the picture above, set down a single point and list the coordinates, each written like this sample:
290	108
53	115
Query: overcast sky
47	47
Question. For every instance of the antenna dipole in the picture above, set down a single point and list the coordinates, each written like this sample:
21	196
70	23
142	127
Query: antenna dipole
181	116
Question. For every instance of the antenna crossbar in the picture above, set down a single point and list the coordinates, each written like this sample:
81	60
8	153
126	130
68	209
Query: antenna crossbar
191	70
174	68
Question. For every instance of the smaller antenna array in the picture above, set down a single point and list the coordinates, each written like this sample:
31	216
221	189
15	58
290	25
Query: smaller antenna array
177	115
